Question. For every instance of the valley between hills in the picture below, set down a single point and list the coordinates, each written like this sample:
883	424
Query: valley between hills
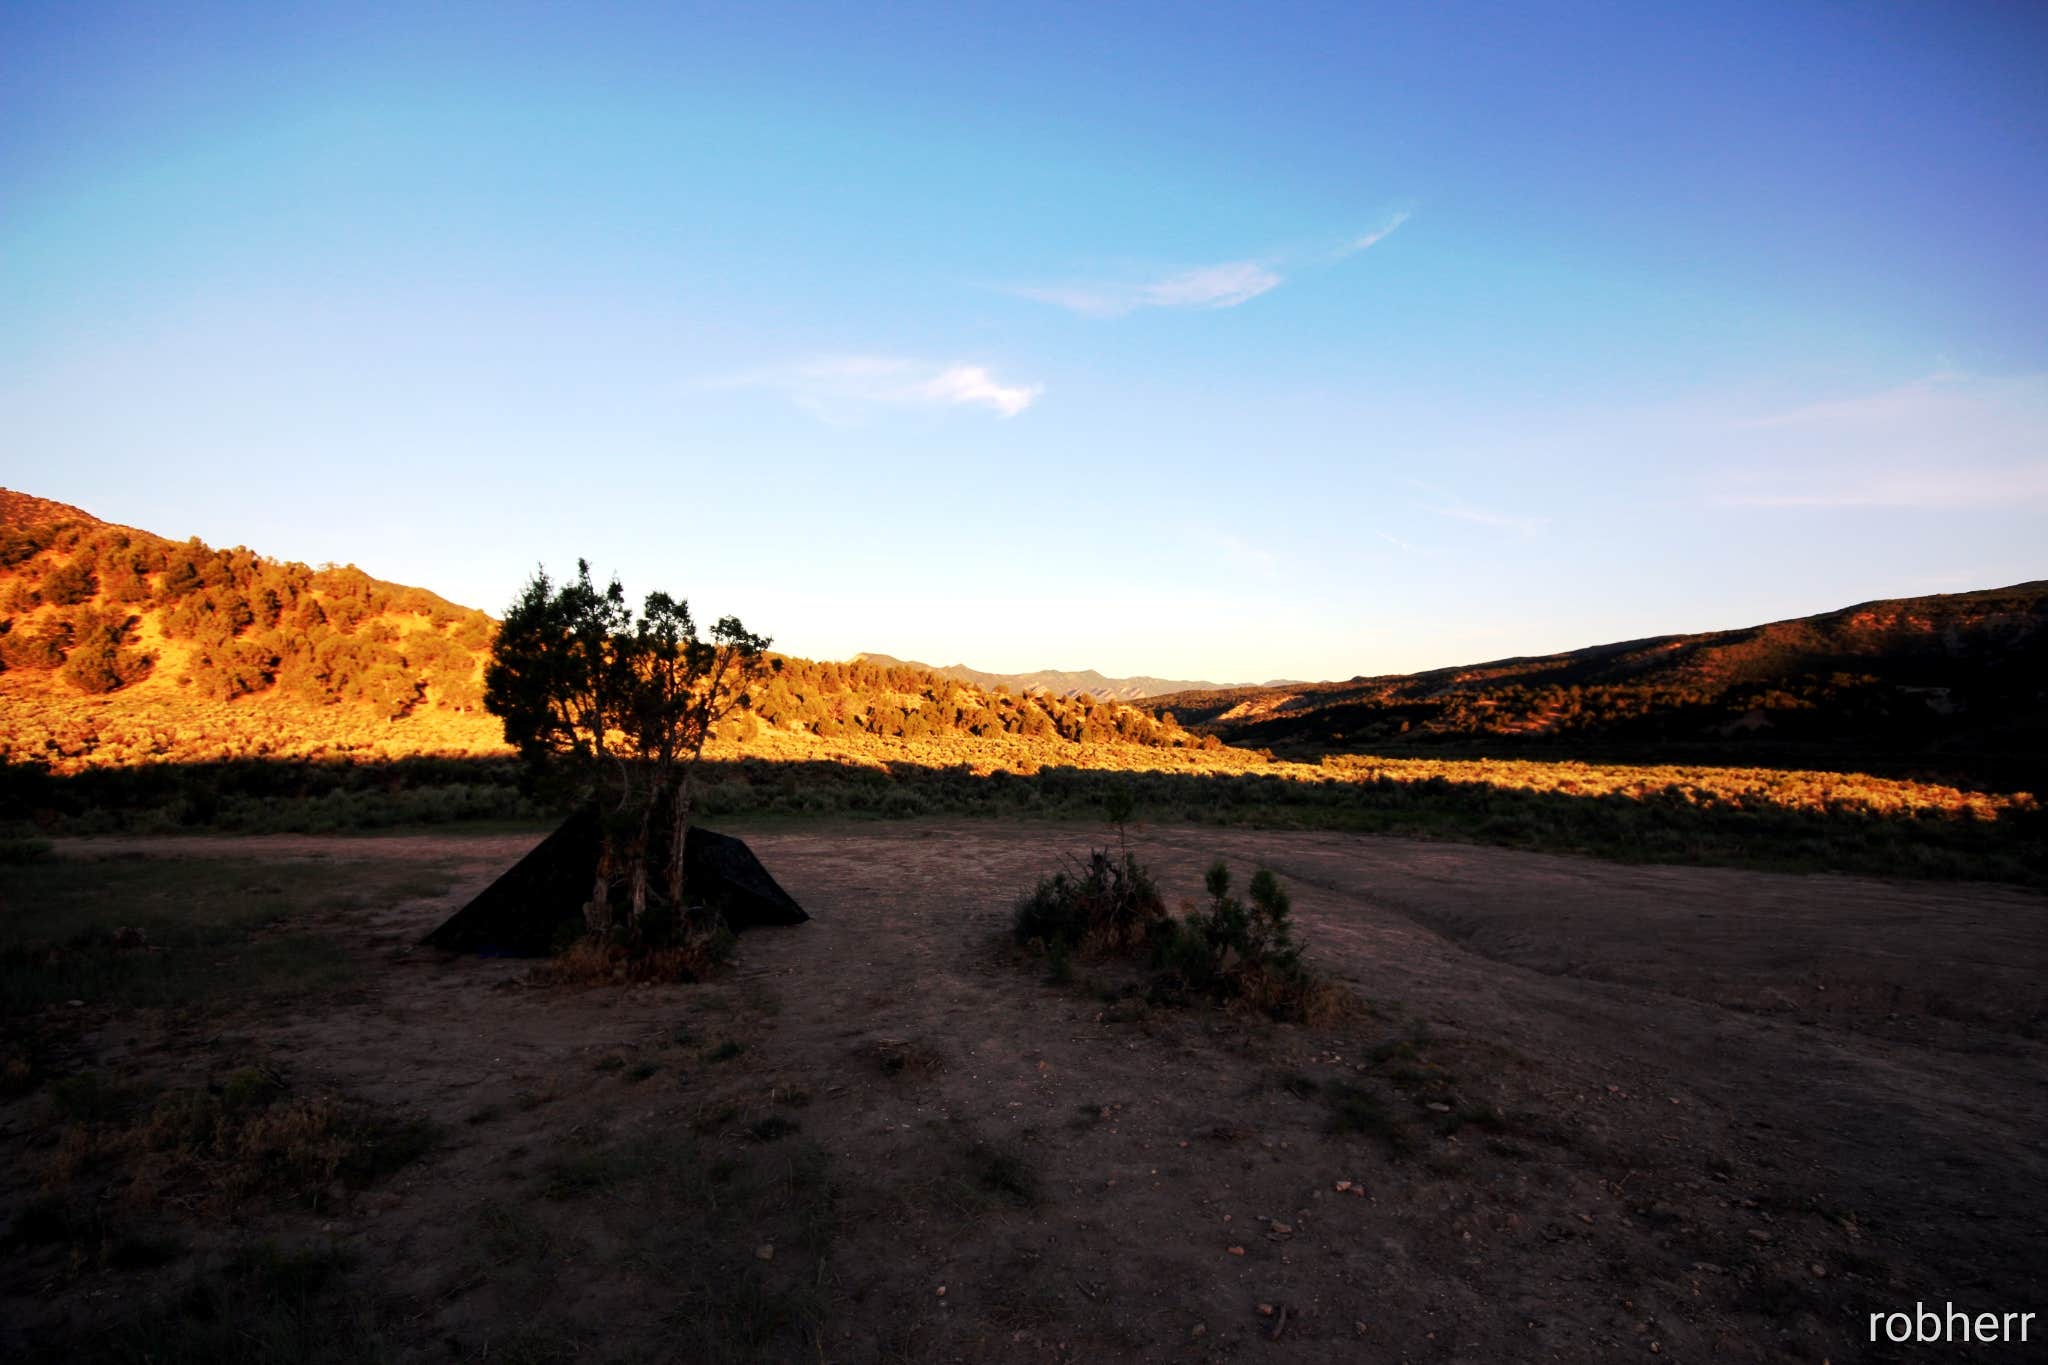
1767	1061
185	685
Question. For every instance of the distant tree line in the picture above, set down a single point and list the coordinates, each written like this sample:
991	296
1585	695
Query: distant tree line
94	607
833	699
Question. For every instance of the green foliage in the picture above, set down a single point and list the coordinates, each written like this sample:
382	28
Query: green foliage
39	650
71	583
335	636
831	699
1234	952
1230	952
99	660
619	706
553	677
1105	903
1224	950
332	635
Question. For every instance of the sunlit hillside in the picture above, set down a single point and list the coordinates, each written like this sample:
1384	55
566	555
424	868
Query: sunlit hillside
155	684
1953	685
119	646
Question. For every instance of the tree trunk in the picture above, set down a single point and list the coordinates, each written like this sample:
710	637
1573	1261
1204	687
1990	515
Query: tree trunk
680	830
597	916
637	903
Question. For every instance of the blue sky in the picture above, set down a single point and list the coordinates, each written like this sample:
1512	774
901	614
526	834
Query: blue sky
1224	343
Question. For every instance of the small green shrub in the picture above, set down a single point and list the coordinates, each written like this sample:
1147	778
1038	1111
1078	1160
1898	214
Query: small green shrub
1235	951
1107	903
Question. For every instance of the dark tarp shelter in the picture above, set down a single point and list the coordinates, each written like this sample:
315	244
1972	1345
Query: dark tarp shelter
526	911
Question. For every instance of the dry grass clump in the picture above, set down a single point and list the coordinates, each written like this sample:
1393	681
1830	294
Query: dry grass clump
903	1057
216	1147
1699	786
592	961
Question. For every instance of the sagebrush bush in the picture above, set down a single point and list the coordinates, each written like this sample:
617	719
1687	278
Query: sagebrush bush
1230	953
1106	904
591	960
1244	953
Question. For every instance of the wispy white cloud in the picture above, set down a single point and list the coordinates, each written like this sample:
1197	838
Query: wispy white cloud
1226	284
837	388
1373	238
1211	286
973	384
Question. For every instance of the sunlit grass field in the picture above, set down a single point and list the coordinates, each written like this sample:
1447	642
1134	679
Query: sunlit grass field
253	767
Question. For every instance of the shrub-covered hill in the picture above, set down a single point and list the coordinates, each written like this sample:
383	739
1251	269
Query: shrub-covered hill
117	645
1953	684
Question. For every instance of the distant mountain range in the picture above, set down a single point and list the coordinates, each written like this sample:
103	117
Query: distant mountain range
1057	682
1952	685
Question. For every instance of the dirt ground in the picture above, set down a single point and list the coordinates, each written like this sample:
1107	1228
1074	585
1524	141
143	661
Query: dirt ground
1609	1111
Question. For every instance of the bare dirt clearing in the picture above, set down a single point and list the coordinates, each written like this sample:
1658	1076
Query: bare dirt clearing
1597	1109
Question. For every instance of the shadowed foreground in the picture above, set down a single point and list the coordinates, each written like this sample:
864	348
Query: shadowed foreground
1594	1107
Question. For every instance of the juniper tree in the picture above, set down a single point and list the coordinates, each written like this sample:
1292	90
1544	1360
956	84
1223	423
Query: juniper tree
620	706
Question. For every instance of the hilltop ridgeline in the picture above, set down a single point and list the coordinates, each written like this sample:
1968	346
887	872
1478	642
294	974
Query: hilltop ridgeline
1953	684
90	609
1057	682
117	644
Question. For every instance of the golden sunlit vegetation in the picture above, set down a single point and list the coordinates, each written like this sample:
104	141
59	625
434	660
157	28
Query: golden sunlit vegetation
120	647
241	693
